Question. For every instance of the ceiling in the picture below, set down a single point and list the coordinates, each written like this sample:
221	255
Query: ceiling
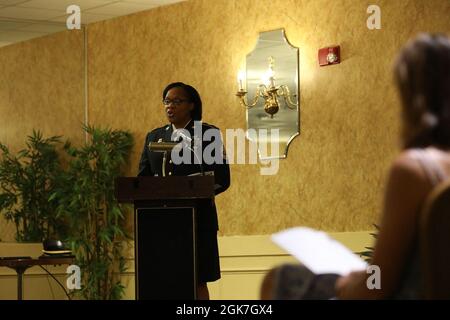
22	20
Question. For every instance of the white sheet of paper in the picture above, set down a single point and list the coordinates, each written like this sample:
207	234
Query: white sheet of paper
318	251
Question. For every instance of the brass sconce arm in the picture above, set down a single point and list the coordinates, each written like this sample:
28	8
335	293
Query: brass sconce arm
270	96
283	91
242	98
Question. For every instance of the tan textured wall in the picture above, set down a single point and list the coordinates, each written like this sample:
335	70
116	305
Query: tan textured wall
41	87
333	176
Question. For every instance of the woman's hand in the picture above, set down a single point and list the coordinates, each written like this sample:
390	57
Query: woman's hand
352	286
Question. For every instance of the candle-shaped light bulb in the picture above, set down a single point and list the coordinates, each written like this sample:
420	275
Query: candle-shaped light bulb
265	78
241	76
270	72
271	75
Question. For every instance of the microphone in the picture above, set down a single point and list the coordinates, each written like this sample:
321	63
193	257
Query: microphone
185	137
181	134
188	141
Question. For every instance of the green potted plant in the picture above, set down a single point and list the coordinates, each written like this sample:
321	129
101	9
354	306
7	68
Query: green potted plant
27	181
96	221
368	254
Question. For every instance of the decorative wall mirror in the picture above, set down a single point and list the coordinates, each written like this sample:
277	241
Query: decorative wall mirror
271	92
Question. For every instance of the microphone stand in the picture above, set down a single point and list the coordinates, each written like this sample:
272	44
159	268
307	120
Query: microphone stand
164	163
196	156
188	141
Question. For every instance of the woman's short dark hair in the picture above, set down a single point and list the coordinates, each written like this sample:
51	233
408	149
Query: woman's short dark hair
422	73
193	97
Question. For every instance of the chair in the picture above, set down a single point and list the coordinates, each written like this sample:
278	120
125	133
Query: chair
434	237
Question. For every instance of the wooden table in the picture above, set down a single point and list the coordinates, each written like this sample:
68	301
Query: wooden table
21	264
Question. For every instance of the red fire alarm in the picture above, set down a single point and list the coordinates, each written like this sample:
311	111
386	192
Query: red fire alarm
329	55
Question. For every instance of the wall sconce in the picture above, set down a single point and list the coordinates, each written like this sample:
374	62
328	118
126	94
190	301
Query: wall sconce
268	91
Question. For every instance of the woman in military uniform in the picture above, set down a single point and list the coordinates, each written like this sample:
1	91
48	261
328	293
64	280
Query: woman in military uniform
183	108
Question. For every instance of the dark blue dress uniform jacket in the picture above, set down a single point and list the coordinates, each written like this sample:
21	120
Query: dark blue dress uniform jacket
151	165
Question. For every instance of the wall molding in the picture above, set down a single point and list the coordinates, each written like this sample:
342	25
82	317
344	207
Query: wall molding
244	262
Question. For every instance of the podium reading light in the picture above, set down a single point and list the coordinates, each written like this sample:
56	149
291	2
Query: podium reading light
166	147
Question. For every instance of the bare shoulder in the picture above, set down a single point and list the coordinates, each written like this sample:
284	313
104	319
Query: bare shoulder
406	169
407	161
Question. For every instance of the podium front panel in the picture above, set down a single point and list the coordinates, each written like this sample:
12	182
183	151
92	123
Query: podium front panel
165	253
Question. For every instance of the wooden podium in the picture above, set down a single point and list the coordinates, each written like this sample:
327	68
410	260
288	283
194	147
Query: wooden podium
165	232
